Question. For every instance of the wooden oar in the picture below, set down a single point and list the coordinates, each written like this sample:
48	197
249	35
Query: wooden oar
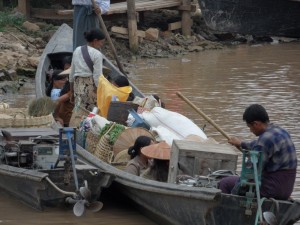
102	24
203	115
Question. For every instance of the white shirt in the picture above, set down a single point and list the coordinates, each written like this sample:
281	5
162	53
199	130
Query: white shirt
80	68
55	93
103	4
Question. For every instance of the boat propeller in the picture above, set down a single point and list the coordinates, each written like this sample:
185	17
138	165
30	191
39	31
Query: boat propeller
83	201
270	218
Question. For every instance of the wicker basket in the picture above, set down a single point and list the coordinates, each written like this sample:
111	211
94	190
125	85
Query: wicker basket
104	149
78	115
18	117
91	141
121	160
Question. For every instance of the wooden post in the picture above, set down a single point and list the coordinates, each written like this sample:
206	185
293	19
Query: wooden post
24	7
186	18
132	26
1	5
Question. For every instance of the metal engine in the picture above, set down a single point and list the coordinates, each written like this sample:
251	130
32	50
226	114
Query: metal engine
32	154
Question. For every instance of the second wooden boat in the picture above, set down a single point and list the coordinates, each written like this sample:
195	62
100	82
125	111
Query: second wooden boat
169	203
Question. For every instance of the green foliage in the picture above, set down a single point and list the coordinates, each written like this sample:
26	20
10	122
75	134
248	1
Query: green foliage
113	133
9	19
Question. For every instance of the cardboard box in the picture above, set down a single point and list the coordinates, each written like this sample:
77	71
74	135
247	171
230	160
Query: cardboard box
195	158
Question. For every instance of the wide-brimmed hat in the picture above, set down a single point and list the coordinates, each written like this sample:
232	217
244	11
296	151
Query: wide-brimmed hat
160	150
66	72
128	137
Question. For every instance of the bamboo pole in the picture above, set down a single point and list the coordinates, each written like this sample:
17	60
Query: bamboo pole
102	24
204	115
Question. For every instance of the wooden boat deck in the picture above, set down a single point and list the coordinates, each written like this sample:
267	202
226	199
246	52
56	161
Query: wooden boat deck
30	132
115	8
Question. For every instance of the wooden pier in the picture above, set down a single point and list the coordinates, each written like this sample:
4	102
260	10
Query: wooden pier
131	8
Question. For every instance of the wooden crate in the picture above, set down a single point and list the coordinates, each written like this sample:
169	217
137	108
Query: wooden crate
195	158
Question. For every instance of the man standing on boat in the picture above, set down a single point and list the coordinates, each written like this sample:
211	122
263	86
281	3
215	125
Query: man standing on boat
279	155
85	18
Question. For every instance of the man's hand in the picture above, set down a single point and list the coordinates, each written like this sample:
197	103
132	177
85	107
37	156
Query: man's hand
235	141
97	10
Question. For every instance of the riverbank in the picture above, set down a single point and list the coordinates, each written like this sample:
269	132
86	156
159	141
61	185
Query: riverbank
22	43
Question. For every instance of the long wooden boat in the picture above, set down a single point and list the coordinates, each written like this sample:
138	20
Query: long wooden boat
39	170
255	17
59	46
169	203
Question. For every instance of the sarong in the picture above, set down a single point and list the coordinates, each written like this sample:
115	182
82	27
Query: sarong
85	92
84	19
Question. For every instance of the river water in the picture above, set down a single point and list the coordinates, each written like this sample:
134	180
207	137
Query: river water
222	83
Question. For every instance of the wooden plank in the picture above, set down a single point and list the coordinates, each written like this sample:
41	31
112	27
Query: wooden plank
24	7
31	132
121	7
123	30
174	26
49	14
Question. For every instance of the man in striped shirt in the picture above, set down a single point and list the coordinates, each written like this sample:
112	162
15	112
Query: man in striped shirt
85	18
279	155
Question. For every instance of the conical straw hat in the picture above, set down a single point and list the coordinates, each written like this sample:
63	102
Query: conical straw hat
66	72
157	151
128	137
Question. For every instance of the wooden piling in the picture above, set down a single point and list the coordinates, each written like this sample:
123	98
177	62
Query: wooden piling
24	7
186	18
132	26
1	5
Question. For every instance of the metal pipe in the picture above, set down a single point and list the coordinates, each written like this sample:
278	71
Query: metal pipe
60	190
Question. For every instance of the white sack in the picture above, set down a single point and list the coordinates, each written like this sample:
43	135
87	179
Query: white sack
177	123
165	134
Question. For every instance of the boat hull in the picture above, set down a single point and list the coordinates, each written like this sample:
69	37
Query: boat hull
32	188
255	17
168	203
59	46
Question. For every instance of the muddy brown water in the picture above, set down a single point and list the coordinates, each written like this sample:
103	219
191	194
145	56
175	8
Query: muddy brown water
221	83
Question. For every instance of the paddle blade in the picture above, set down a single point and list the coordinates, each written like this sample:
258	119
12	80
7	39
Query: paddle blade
270	218
95	206
79	208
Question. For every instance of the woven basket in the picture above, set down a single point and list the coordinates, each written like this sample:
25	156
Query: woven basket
81	138
91	141
121	159
78	115
18	117
104	149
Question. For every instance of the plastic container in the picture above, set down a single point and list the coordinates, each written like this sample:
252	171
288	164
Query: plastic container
118	111
139	122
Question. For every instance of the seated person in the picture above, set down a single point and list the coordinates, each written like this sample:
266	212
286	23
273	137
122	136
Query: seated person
138	162
279	155
65	107
160	153
54	91
118	88
56	84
